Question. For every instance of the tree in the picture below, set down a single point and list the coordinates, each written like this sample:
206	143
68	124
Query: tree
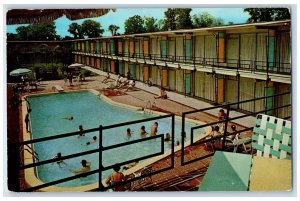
151	24
11	36
113	29
22	33
203	20
183	18
169	22
76	30
67	38
91	29
37	31
134	24
267	14
218	22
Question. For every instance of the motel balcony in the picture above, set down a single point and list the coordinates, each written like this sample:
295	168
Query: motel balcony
276	71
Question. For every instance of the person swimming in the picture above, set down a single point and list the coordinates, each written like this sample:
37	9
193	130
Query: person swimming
92	141
58	156
69	118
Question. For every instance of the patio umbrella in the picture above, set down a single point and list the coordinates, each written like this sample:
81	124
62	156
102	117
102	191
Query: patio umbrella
20	71
75	66
28	16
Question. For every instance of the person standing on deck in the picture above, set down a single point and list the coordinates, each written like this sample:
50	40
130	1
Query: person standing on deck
27	120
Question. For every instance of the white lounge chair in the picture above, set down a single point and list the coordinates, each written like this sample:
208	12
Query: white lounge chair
57	88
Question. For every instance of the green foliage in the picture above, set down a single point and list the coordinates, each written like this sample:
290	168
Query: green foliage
113	29
86	73
177	18
76	30
203	20
91	29
67	38
267	14
134	24
11	36
218	22
151	24
169	22
38	31
206	20
183	18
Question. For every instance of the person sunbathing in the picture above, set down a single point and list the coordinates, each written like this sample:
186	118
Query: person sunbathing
163	94
107	77
123	82
130	85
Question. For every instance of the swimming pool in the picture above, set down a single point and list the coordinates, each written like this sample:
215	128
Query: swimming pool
90	111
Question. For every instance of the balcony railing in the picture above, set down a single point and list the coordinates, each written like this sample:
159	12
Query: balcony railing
237	64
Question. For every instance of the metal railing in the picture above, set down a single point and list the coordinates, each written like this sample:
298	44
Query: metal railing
238	64
225	134
100	151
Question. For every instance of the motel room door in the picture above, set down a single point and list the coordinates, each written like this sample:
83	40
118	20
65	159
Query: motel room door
172	79
220	88
132	71
164	81
146	73
269	91
232	90
188	80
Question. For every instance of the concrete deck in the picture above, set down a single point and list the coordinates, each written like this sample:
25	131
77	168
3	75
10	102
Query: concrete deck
179	98
181	178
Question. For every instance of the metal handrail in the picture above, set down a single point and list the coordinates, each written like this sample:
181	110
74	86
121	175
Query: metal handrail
100	150
225	133
253	65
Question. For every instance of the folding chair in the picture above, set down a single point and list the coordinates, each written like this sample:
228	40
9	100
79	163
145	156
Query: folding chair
236	141
272	137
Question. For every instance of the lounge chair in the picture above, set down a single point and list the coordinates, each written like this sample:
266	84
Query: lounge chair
236	142
57	88
272	137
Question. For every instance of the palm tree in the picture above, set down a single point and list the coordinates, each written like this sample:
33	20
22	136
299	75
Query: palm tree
113	29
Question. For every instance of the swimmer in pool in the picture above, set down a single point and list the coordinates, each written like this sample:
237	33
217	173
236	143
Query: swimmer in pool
92	141
69	118
86	167
58	156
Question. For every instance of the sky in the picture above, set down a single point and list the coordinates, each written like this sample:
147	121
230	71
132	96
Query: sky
118	18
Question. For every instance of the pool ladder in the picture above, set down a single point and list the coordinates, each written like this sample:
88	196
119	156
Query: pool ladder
29	150
149	106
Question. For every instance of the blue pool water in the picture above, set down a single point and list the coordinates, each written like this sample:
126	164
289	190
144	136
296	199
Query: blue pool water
90	111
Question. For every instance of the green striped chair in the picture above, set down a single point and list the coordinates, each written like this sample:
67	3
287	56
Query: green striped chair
272	137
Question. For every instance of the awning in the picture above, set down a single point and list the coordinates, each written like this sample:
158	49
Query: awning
29	16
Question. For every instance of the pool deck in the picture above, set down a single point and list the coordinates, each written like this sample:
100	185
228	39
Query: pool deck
181	178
